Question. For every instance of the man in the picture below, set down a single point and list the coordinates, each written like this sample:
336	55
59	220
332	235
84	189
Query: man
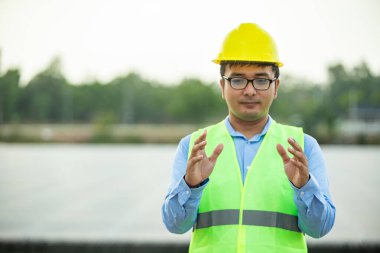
248	183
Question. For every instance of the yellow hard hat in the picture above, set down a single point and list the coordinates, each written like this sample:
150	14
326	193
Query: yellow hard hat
249	42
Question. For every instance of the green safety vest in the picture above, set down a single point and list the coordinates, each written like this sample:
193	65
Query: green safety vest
259	216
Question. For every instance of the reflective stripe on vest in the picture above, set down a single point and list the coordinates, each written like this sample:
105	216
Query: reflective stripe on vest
250	217
217	218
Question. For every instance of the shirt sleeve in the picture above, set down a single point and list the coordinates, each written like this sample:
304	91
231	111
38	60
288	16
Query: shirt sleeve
316	211
180	207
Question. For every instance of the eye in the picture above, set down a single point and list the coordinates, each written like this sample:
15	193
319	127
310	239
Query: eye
238	81
261	81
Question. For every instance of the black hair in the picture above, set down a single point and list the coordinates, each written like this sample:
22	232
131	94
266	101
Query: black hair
274	66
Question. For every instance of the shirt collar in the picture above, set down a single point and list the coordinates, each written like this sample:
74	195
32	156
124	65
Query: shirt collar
235	133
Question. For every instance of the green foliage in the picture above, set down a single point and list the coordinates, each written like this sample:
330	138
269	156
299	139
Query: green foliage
49	98
44	98
193	101
9	96
358	88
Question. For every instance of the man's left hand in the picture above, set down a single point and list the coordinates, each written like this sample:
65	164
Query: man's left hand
296	168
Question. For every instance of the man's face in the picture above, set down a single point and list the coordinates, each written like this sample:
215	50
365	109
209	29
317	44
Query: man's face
249	104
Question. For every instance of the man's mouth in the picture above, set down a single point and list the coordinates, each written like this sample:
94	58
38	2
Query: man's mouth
251	102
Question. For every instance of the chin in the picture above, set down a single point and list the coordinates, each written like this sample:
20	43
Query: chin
253	116
250	117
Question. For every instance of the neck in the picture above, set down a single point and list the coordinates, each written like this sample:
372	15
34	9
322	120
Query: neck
248	128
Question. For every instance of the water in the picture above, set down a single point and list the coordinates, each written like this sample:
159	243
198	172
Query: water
115	192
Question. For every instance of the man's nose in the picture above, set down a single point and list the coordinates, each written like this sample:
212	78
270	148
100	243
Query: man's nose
250	89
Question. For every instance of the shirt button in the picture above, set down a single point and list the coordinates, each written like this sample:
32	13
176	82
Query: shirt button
302	193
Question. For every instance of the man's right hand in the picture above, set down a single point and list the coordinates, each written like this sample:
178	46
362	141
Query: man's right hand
199	166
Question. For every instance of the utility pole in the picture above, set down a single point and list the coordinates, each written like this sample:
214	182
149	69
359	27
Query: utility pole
127	104
353	105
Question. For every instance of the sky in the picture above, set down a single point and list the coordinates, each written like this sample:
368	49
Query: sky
168	40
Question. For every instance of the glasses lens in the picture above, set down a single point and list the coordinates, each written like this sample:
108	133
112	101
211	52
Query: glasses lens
238	83
261	84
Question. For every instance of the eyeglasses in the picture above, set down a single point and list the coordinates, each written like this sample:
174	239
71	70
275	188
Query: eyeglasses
240	83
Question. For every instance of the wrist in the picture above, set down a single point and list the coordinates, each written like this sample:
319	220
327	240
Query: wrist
190	184
303	183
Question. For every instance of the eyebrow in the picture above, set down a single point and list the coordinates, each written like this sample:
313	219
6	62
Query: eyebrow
260	74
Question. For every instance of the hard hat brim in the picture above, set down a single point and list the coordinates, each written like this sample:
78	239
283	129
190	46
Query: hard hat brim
217	61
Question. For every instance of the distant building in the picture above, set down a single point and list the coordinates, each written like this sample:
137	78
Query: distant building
361	121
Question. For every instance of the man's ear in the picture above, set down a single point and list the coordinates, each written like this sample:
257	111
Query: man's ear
221	84
276	87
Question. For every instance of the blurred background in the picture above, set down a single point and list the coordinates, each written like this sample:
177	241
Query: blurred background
95	95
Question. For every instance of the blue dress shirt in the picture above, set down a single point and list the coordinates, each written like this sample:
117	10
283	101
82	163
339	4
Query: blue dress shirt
316	212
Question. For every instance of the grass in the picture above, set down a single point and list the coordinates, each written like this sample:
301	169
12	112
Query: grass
88	133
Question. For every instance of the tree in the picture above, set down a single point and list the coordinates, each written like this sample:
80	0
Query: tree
9	96
193	101
43	99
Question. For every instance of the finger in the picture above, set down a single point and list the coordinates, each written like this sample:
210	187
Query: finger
294	144
216	153
282	152
194	160
201	138
197	148
299	155
299	165
296	163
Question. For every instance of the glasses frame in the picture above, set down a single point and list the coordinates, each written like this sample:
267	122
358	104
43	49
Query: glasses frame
249	81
